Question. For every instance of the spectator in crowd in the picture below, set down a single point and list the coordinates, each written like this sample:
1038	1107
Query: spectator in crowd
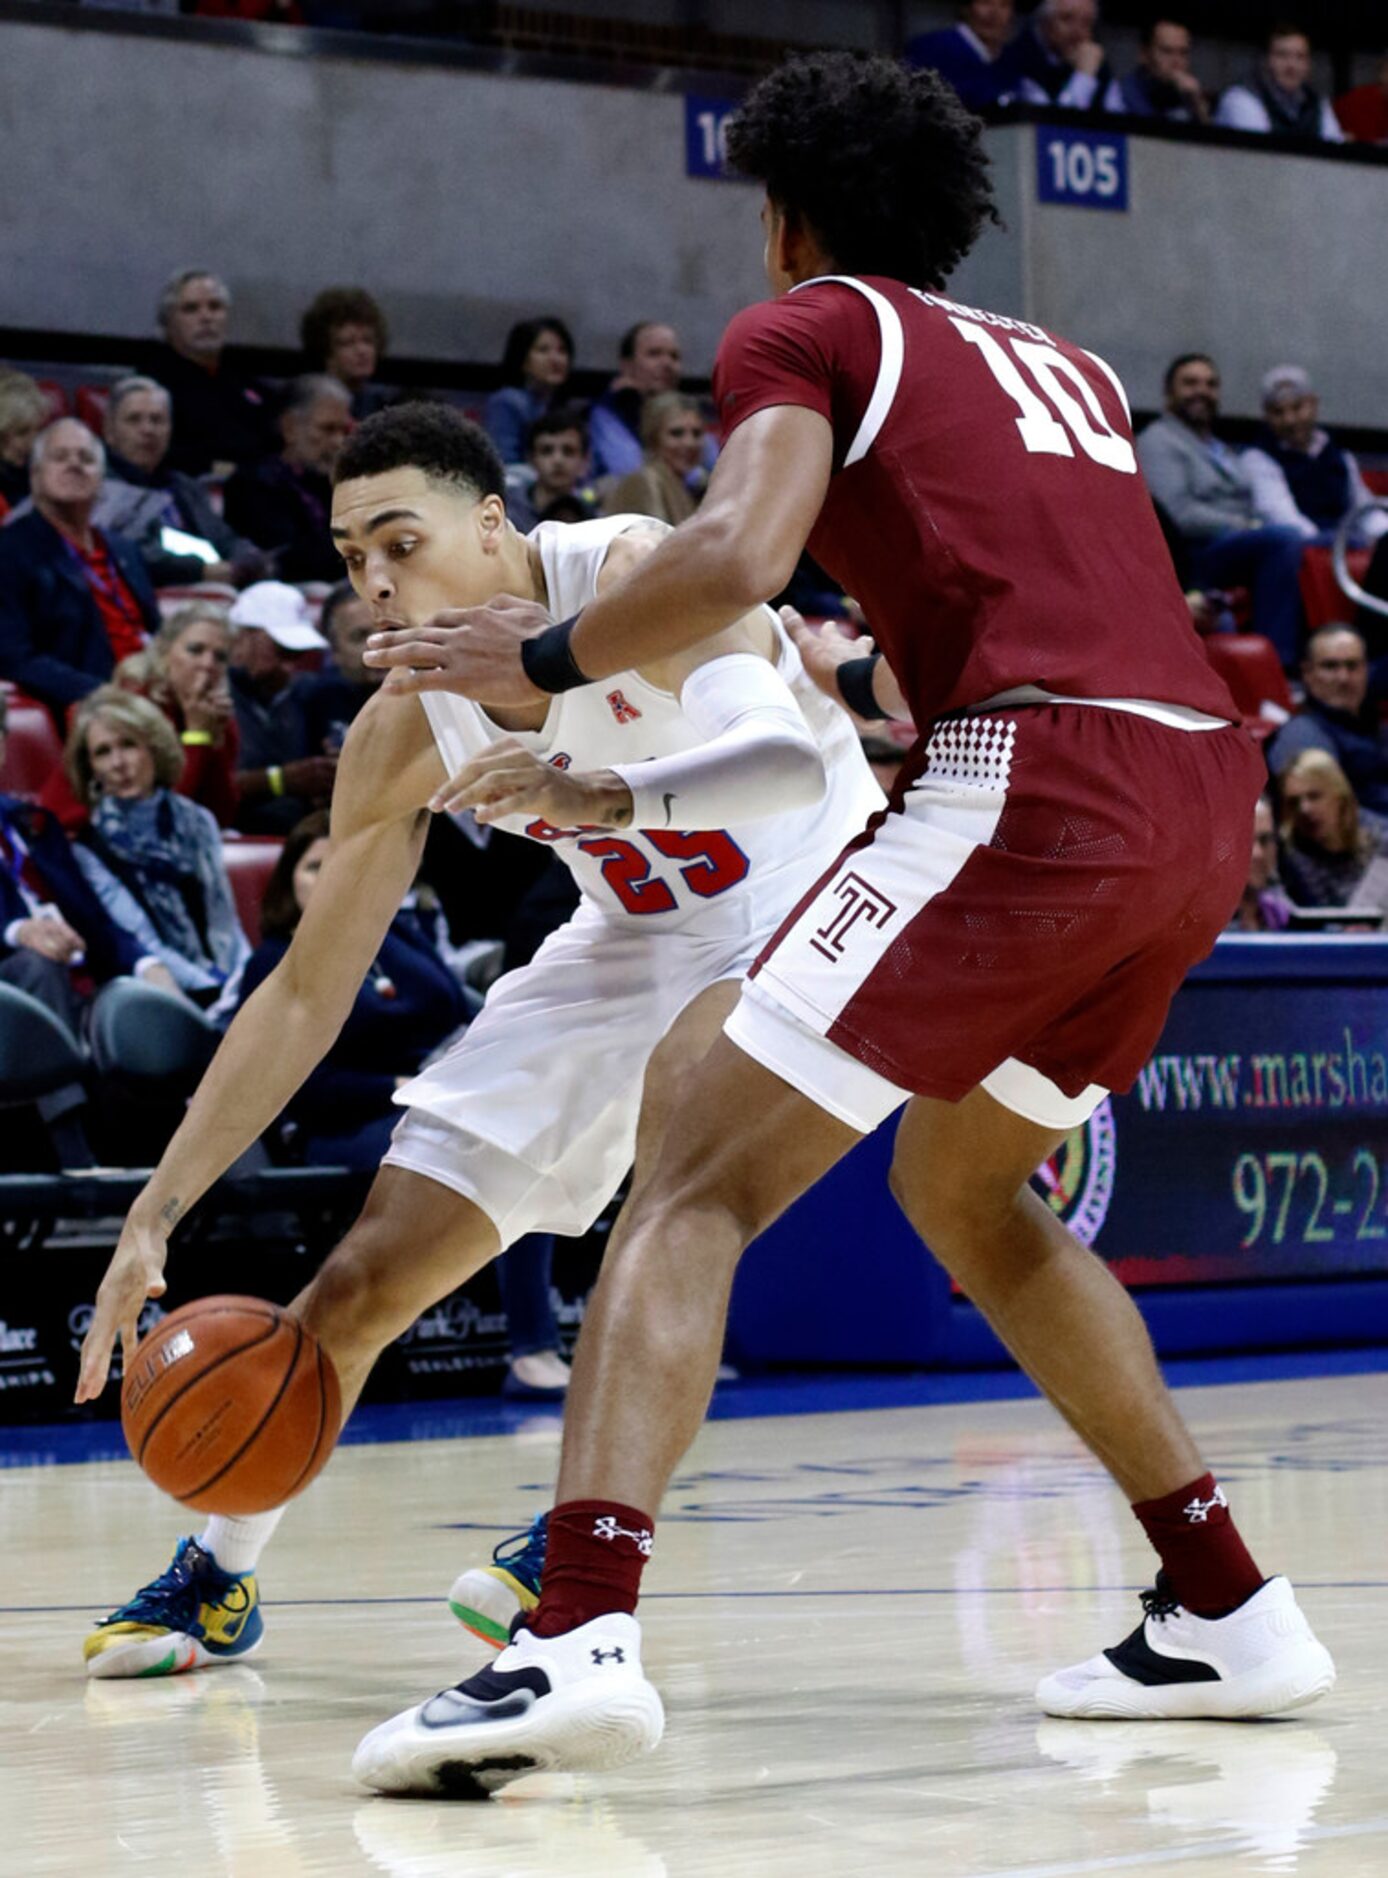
535	368
283	503
334	698
1336	716
1055	59
1333	852
670	483
281	776
184	673
219	418
23	409
1363	113
141	496
56	938
1162	83
557	452
650	359
1202	485
344	335
967	54
153	858
1264	906
74	602
1301	478
1279	96
408	1005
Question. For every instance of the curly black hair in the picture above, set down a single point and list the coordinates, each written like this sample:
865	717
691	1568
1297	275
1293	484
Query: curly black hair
340	306
434	438
883	165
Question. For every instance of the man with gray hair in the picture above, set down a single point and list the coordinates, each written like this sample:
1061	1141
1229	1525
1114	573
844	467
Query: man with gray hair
149	503
1337	716
220	419
1301	477
74	601
1055	59
283	503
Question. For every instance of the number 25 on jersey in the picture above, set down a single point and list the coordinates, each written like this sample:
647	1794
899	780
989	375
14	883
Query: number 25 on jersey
1057	409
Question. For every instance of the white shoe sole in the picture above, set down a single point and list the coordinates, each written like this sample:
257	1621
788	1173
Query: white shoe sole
575	1730
171	1655
1296	1678
487	1605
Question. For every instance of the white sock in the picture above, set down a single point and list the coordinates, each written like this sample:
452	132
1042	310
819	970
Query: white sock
237	1544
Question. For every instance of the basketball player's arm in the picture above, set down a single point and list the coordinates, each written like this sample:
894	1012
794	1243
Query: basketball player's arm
287	1026
736	551
756	756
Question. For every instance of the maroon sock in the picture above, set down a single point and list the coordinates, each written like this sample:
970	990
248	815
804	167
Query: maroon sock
594	1557
1207	1564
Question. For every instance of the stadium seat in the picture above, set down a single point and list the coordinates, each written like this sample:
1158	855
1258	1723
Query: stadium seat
89	404
250	861
33	748
38	1053
149	1043
1249	665
55	395
1320	591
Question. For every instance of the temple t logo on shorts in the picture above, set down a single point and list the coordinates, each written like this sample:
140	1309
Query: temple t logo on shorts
861	900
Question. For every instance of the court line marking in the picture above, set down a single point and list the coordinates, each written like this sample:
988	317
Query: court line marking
1225	1848
676	1597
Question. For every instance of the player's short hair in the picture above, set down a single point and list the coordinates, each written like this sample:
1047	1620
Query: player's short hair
556	422
432	438
1185	358
883	163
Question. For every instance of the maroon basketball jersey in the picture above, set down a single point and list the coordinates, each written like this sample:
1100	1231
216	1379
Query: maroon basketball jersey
986	508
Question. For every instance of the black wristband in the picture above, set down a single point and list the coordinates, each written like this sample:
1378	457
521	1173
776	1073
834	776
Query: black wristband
549	664
855	686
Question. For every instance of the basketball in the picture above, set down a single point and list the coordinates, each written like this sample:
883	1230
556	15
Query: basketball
231	1406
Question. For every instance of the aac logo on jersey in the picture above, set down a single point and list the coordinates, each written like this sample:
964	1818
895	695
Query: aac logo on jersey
1077	1182
622	709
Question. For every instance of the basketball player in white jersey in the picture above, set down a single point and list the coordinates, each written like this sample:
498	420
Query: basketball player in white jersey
691	799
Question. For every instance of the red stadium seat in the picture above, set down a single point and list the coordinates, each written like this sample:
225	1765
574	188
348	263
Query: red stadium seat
1320	591
250	861
89	403
1375	480
1249	665
33	749
56	397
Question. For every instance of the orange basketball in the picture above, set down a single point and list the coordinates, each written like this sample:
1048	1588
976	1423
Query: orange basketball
231	1406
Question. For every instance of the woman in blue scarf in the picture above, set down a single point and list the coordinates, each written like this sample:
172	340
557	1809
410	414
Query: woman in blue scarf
153	857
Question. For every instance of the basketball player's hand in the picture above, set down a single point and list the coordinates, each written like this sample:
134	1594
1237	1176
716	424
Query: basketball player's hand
824	648
136	1273
474	651
508	779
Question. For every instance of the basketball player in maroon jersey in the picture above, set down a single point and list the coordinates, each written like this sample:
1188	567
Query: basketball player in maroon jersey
996	951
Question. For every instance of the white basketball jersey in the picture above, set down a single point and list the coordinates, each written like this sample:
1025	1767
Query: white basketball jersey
741	876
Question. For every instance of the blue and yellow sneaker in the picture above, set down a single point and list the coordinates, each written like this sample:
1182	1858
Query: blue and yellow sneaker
488	1599
191	1615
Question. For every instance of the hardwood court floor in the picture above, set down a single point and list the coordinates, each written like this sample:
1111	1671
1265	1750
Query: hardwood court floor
847	1613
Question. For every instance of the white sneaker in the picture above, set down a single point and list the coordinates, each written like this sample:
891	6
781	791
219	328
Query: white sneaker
1261	1659
577	1703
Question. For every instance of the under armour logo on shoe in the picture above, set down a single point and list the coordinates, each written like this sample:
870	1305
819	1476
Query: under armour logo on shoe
615	1655
1198	1511
607	1528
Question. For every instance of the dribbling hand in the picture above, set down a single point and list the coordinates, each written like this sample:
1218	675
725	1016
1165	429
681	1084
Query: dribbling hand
136	1273
508	779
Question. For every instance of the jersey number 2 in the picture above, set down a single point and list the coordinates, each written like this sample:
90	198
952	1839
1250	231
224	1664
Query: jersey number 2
716	863
1069	408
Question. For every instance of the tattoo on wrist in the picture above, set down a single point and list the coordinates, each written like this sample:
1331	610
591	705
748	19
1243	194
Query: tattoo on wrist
171	1212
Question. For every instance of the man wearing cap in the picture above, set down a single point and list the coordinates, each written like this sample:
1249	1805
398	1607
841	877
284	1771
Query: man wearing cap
282	778
1301	477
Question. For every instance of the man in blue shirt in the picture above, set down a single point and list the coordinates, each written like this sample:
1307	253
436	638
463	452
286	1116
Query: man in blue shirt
966	54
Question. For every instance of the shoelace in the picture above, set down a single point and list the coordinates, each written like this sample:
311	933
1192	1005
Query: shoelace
525	1551
1158	1602
171	1599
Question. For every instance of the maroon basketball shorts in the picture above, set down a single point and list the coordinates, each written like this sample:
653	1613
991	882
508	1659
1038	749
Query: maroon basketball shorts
1019	917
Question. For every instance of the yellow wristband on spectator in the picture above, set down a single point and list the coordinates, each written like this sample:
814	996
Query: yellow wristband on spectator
275	777
196	739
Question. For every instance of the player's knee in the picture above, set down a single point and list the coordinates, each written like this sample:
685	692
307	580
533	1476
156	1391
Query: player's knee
348	1304
958	1211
